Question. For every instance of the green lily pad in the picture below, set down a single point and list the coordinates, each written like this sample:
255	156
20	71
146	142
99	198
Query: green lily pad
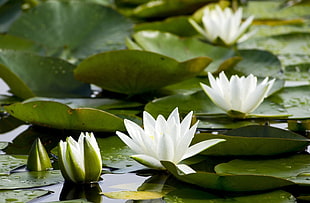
298	72
178	25
294	168
167	8
259	63
296	101
196	196
29	75
73	29
228	182
30	179
179	48
272	10
9	163
17	43
133	72
254	140
98	103
21	195
296	43
58	115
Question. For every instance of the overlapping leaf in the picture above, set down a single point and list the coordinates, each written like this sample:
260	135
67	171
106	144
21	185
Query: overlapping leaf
134	72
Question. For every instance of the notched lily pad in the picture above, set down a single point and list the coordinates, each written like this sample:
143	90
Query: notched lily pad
227	182
254	140
58	115
134	72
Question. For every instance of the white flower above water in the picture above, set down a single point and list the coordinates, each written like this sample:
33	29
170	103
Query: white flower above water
80	162
224	25
163	140
239	95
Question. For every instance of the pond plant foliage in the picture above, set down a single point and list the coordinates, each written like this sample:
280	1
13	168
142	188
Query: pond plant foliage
164	72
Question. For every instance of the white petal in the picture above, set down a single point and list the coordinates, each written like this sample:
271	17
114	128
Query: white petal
186	122
149	123
185	169
129	142
201	146
148	161
216	98
166	147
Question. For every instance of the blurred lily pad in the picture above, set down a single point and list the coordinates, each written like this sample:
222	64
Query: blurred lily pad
228	182
58	115
254	140
296	101
30	75
294	168
178	25
179	48
134	72
73	29
17	43
30	179
166	8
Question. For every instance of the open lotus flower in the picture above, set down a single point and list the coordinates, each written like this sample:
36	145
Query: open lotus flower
238	96
80	162
223	25
163	140
38	159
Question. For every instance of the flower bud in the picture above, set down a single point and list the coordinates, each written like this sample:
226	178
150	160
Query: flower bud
38	159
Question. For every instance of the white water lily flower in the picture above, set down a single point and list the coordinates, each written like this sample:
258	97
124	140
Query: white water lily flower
163	140
224	25
80	162
239	95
